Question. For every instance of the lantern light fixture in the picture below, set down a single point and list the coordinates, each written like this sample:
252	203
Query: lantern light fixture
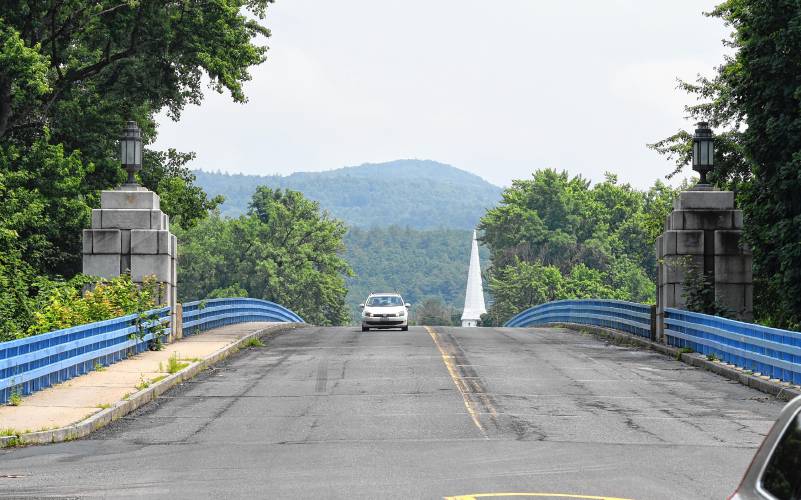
131	151
703	151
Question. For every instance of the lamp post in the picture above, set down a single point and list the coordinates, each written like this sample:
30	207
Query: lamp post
703	151
131	152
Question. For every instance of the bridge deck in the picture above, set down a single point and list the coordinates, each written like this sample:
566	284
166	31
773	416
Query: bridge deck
334	412
81	397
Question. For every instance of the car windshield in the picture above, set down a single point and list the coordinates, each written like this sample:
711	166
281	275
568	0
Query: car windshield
384	301
781	478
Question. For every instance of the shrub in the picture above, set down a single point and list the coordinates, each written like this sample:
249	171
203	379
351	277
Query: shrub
63	305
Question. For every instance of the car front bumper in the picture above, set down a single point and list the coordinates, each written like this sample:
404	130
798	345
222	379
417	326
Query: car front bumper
392	322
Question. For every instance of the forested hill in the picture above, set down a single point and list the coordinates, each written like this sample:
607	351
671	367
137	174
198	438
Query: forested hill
421	264
420	194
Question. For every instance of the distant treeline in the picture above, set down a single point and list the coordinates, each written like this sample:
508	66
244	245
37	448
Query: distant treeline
419	194
421	265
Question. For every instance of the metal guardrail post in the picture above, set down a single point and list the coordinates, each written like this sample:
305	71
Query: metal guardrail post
178	322
653	323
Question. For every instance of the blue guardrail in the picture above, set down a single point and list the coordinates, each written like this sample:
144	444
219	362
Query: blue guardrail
625	316
761	349
203	315
33	363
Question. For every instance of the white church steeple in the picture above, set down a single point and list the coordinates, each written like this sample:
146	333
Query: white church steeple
474	295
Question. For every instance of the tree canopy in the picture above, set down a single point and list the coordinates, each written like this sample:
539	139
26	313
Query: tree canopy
754	99
285	250
71	74
556	237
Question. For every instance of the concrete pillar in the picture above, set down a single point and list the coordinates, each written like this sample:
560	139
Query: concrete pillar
704	231
130	234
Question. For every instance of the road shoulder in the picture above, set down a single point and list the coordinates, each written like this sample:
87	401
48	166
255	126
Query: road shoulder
82	405
781	390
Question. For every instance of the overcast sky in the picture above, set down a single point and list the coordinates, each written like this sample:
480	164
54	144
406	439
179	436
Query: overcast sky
497	88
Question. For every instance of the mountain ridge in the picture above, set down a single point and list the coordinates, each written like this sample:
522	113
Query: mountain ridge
421	194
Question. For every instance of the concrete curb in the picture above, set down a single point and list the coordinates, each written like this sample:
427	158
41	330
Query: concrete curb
777	389
136	400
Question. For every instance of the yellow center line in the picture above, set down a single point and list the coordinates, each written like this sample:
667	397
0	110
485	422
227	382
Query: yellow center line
551	495
461	386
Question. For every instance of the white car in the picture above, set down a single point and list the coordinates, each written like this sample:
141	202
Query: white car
385	310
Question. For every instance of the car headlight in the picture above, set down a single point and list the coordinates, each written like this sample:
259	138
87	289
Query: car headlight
367	314
402	313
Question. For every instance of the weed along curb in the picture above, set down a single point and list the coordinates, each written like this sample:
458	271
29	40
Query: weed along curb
137	399
777	389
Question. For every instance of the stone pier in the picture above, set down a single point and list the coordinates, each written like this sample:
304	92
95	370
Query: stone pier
130	234
704	231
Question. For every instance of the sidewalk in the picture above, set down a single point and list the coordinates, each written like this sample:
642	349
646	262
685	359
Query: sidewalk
76	407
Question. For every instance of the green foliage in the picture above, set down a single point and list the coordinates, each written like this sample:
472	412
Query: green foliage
555	237
434	312
63	306
755	98
70	75
420	264
699	291
41	209
408	193
174	365
181	198
253	342
285	250
46	305
143	384
229	291
15	399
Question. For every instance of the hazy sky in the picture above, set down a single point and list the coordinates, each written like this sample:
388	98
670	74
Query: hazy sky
498	88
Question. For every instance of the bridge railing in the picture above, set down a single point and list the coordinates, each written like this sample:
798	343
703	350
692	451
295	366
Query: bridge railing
33	363
761	349
617	314
203	315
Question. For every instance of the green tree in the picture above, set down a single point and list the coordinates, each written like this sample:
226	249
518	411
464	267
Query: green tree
556	237
72	73
521	285
285	250
418	264
754	99
433	312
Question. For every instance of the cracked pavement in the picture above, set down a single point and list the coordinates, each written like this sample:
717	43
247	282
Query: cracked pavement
337	413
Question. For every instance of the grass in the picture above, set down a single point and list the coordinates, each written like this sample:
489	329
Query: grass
99	367
103	406
158	379
8	432
143	384
683	350
711	357
253	342
174	365
15	399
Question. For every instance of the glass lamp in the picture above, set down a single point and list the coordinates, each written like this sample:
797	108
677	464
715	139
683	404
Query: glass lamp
703	151
131	151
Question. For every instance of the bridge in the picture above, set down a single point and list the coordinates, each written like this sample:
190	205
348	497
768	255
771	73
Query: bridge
569	399
435	412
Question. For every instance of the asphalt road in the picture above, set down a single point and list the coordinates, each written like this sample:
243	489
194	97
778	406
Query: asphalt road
337	413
